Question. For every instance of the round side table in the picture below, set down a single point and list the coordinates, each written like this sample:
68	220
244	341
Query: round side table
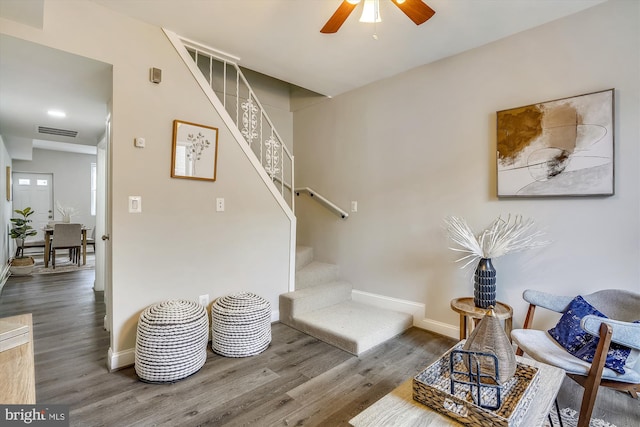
467	310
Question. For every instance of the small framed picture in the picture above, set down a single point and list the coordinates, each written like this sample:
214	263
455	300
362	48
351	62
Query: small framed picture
195	151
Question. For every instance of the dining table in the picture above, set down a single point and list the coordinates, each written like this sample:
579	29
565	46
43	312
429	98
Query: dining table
48	232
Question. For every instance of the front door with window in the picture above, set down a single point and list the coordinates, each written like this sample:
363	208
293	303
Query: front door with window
34	190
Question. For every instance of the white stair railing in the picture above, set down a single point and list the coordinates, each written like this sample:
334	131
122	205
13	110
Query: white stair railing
232	88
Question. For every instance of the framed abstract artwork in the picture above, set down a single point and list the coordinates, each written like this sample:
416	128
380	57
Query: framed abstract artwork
557	148
195	151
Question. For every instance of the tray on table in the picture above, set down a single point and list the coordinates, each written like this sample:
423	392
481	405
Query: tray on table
432	387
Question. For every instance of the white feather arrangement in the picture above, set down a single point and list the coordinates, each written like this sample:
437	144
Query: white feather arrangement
66	212
514	234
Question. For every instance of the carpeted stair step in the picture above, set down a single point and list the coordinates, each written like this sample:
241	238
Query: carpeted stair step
352	326
321	306
304	256
295	303
316	273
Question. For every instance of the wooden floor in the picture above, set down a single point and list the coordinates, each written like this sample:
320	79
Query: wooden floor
297	381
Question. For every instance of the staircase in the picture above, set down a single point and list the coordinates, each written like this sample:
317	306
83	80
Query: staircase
322	307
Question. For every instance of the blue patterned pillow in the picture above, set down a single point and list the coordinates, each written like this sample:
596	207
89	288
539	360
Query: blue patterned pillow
576	341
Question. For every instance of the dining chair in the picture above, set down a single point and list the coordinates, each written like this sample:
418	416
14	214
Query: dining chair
91	240
66	236
596	341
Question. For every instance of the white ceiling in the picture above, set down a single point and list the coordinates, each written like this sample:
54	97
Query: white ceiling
35	79
282	39
279	38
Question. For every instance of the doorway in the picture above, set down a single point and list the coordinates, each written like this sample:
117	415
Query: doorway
36	79
34	190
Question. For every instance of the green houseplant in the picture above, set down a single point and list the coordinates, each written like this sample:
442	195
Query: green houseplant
21	264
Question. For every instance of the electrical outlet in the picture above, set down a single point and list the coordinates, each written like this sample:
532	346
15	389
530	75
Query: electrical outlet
354	206
203	300
220	204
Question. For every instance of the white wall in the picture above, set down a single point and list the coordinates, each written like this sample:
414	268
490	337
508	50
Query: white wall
179	246
71	180
417	147
5	205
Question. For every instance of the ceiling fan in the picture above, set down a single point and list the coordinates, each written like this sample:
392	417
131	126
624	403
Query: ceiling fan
416	10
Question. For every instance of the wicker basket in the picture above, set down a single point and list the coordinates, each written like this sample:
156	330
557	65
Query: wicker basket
171	341
431	387
240	325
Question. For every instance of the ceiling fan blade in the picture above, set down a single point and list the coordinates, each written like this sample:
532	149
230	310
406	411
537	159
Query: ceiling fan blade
339	16
416	10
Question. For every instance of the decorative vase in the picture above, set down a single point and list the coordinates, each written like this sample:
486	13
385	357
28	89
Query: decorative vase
484	284
490	337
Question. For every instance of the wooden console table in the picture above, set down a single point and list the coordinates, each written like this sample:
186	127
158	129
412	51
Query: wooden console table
398	409
467	309
17	370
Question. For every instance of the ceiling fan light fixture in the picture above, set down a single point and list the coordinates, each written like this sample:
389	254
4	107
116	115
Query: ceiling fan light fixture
371	11
416	10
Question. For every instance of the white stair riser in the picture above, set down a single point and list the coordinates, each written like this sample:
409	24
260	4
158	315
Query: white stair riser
298	302
304	256
316	273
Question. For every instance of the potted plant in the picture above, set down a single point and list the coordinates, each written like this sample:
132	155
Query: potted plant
22	265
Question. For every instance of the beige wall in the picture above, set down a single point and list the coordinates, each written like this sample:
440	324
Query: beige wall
419	146
179	246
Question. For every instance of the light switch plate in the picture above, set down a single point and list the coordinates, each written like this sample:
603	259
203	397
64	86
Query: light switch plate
135	204
139	142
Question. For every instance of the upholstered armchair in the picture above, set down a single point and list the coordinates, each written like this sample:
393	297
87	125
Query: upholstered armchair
607	314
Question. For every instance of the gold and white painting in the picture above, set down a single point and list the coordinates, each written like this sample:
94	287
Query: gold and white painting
557	148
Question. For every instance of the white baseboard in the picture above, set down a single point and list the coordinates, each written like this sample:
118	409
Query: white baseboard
439	328
410	307
121	359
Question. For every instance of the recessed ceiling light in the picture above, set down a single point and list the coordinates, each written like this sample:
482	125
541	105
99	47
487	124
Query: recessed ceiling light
57	113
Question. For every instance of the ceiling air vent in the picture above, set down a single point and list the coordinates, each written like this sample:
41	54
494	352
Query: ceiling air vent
58	132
